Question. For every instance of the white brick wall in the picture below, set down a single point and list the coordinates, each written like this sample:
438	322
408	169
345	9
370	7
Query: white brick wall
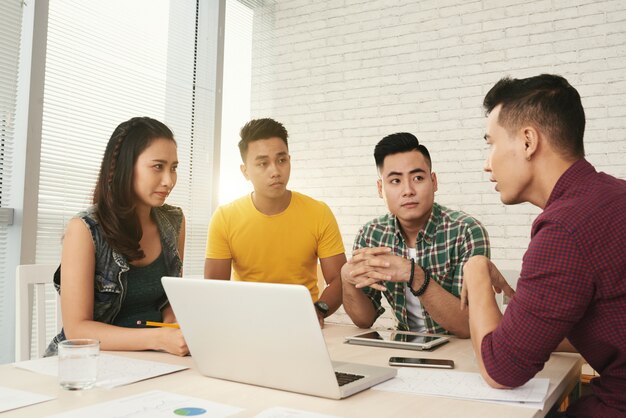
341	75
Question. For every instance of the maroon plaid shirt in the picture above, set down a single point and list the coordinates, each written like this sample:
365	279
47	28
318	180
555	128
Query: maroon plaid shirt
572	284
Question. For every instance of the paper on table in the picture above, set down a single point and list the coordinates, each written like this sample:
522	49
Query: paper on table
113	371
463	385
282	412
153	404
13	398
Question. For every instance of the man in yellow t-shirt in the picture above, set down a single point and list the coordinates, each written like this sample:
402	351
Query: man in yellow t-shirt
275	235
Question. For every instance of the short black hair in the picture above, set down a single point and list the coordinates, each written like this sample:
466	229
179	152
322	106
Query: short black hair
257	129
397	143
547	101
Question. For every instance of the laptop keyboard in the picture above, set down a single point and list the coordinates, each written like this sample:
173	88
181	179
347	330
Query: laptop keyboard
345	378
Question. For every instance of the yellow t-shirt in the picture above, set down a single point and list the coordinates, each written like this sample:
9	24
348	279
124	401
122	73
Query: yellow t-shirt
281	248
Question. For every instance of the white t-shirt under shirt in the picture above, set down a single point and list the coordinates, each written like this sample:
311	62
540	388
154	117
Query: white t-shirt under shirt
413	305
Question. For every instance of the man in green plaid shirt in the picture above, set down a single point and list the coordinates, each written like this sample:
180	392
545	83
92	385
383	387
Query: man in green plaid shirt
415	253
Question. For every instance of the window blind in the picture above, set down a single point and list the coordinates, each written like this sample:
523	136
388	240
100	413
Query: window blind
110	61
10	33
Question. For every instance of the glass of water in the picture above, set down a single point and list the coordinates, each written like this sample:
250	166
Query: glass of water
78	363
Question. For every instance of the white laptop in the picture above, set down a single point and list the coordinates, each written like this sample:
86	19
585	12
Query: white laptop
262	334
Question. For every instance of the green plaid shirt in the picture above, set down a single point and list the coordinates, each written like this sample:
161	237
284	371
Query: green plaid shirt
447	241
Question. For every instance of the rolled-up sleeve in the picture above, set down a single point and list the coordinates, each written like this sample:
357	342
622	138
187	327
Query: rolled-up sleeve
553	293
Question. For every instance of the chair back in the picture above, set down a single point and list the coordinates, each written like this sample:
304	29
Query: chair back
34	290
511	276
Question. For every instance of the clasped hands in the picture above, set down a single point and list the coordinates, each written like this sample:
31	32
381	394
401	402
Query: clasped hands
371	266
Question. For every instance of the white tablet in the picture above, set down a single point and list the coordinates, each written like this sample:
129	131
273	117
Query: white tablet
399	339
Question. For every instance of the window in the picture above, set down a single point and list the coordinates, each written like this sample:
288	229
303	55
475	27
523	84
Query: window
110	61
237	83
105	63
10	33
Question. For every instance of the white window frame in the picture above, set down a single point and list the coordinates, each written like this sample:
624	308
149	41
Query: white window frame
26	154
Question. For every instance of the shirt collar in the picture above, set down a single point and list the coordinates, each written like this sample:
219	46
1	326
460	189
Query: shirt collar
579	170
427	233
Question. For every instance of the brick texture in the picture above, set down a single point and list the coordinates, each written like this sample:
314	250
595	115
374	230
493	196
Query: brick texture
341	75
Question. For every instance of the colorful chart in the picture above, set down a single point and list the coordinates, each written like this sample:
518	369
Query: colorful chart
189	412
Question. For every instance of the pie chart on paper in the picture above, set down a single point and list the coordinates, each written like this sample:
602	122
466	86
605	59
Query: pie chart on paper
189	412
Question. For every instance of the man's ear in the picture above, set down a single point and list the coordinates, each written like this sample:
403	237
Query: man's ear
433	177
244	171
531	141
379	186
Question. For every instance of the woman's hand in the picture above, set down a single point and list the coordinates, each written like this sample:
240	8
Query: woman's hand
171	340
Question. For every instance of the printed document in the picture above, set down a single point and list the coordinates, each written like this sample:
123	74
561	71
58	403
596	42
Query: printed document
13	398
113	370
153	404
464	385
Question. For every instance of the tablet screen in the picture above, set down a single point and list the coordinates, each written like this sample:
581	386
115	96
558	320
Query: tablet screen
399	339
398	336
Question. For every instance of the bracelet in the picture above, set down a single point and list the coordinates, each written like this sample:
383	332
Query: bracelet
419	292
412	275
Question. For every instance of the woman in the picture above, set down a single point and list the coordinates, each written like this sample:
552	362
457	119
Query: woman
115	252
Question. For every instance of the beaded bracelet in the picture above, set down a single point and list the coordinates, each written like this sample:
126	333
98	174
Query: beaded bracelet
419	292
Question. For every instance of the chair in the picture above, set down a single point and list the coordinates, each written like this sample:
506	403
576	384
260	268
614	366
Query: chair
511	277
32	281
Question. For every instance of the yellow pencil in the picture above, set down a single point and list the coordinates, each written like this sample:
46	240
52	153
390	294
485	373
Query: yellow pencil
158	324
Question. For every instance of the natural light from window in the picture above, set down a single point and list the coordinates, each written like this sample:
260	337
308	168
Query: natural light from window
236	98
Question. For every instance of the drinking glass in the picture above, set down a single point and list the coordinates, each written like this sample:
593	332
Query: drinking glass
78	363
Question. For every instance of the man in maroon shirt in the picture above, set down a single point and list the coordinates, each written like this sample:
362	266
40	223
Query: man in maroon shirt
572	288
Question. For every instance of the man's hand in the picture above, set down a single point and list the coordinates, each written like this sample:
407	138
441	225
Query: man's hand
371	266
361	267
473	267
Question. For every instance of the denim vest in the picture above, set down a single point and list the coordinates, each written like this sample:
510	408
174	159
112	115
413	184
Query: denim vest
112	267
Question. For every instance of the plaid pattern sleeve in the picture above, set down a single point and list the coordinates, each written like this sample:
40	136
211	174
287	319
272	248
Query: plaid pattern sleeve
572	284
545	307
473	240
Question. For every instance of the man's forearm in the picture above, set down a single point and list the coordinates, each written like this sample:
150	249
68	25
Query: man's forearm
332	295
484	317
484	314
358	306
443	307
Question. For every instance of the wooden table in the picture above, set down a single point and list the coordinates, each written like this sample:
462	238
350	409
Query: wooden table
563	370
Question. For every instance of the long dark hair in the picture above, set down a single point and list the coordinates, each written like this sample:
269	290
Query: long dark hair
114	196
